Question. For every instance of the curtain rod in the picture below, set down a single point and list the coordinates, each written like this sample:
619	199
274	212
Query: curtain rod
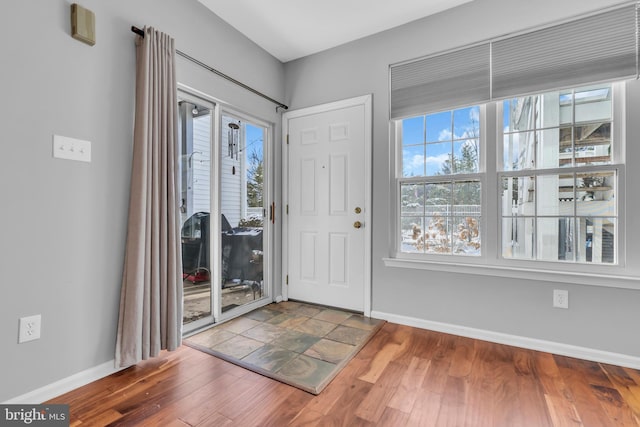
140	32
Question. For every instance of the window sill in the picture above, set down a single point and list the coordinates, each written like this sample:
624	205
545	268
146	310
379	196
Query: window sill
605	280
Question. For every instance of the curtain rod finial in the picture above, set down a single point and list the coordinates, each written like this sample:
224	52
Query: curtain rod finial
137	30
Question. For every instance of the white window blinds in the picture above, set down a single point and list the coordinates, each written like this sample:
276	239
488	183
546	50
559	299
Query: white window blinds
597	48
441	82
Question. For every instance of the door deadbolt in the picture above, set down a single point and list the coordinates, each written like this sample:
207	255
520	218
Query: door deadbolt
358	210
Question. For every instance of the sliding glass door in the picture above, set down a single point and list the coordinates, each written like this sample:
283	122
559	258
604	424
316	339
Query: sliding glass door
244	221
196	130
225	221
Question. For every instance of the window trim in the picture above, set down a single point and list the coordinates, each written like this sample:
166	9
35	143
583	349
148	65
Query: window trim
399	179
491	262
604	279
617	164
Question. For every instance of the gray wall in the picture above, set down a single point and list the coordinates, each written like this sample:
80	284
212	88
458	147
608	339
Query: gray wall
62	223
599	318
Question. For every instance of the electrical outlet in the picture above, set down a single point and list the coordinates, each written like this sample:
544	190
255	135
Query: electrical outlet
560	298
29	328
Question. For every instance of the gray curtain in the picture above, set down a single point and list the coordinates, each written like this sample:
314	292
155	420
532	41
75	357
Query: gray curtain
151	295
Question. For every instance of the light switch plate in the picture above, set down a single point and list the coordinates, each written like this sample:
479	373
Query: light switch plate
71	148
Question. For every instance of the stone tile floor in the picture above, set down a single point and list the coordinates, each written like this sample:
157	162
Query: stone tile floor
300	344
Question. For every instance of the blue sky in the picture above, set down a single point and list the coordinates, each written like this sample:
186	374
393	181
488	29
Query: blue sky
429	140
254	139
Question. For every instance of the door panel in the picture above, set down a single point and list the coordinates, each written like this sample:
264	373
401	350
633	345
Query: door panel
339	259
338	184
308	246
308	187
326	253
242	208
195	137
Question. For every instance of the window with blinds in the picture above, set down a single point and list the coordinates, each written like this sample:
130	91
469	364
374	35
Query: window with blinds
559	173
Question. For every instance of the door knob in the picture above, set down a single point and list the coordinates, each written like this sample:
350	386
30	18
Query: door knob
358	210
357	224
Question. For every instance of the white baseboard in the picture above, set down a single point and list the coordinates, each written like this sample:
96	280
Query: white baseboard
514	340
66	384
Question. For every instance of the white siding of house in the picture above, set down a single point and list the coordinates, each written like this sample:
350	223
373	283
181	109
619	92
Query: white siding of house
201	164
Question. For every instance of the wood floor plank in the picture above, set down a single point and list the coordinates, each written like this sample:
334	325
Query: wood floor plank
330	396
260	410
343	414
416	342
280	414
307	418
479	403
504	388
586	402
189	407
437	375
341	385
389	351
425	409
533	405
462	357
454	396
176	423
211	399
380	361
402	377
370	350
626	386
614	406
239	404
394	417
633	374
105	418
375	402
409	387
617	408
214	420
560	414
558	396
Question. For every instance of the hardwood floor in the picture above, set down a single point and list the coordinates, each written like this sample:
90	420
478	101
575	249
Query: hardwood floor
402	377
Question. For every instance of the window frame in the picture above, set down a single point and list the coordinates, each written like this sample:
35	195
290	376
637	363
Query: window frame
479	176
491	262
617	164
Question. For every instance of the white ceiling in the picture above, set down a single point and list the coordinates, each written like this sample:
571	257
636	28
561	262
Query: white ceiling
291	29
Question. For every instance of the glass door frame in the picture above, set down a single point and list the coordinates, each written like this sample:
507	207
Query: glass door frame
268	222
192	96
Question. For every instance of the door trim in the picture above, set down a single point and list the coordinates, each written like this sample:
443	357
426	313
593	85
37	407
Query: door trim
366	102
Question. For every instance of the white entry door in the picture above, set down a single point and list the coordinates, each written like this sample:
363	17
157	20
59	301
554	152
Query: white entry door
328	224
